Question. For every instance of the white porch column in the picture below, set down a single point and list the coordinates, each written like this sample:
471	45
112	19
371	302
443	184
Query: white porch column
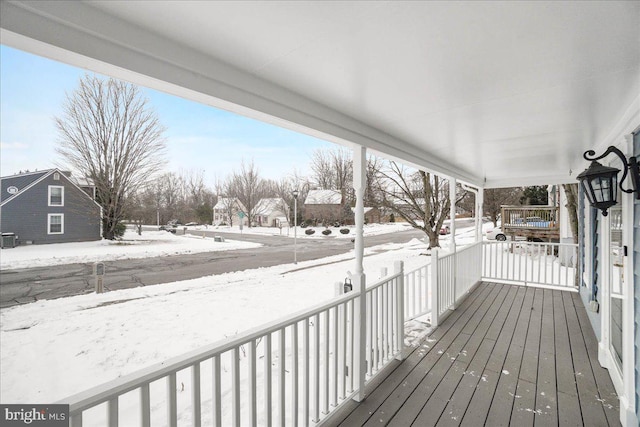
452	213
359	279
479	211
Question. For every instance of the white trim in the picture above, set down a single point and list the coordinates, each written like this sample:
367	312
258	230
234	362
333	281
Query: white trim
628	405
51	187
49	216
623	379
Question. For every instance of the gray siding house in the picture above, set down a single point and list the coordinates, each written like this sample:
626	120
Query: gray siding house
48	207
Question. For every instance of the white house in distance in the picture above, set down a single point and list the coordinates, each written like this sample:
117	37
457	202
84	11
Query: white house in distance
272	212
229	211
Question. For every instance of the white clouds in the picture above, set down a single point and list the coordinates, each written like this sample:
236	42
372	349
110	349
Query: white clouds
13	146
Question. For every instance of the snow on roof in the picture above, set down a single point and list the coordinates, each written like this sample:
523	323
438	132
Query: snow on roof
323	197
269	205
366	210
224	202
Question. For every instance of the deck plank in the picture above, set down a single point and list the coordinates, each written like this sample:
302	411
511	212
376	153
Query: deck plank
502	405
541	337
606	390
419	388
568	404
546	411
457	406
592	410
441	335
483	397
441	396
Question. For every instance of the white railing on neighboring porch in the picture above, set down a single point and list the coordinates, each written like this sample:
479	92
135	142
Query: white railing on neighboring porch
297	370
552	264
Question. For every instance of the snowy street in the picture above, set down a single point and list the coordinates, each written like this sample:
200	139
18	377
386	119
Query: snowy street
159	257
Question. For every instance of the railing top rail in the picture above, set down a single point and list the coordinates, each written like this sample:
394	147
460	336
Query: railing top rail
416	269
102	393
383	281
459	250
522	242
529	207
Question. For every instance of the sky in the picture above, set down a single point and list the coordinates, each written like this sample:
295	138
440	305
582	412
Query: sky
199	138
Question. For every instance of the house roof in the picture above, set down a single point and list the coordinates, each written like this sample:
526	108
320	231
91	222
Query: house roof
492	93
16	185
12	185
267	206
323	197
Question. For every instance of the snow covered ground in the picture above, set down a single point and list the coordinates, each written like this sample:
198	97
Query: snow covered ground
149	244
369	230
53	349
160	243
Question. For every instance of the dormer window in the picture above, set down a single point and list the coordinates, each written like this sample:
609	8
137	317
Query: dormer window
56	176
56	195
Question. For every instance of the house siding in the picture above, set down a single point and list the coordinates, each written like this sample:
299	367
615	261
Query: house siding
26	215
588	291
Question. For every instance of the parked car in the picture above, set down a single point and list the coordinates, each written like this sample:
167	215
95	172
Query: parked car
496	234
445	230
189	224
536	221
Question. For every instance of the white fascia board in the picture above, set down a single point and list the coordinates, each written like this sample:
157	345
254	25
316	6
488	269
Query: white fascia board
533	180
79	34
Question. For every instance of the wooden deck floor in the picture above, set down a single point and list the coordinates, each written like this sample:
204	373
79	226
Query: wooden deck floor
510	355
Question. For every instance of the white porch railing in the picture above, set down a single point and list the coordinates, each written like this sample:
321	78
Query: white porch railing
454	274
295	371
417	292
551	264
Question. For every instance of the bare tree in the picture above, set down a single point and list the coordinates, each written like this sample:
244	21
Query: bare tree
494	198
108	133
571	191
332	168
248	188
419	198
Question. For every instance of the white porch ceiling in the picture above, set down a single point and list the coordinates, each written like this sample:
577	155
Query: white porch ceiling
493	93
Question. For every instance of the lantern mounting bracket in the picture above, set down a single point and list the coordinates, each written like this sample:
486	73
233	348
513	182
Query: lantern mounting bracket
631	164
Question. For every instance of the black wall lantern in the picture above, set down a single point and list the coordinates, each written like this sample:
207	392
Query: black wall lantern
600	183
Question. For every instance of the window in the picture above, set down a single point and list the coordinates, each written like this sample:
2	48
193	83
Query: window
56	195
55	223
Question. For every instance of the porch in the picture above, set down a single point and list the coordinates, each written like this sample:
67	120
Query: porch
500	354
509	355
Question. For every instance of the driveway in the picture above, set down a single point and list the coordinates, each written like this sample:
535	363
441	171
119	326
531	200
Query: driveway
28	285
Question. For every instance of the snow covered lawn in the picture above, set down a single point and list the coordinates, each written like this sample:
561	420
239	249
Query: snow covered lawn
149	244
52	349
369	230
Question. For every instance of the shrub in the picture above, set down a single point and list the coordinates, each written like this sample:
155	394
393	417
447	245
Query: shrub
119	230
326	232
310	231
344	230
